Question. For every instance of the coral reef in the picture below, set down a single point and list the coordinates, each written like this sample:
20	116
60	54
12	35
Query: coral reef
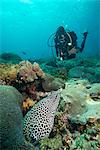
8	73
24	71
66	121
52	144
81	106
95	96
29	79
50	83
38	70
29	72
77	119
11	132
10	58
85	68
27	104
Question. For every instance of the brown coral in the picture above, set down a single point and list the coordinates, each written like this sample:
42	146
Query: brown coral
31	90
29	72
38	70
27	104
25	72
8	73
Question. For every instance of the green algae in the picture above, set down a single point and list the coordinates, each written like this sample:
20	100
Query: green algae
51	144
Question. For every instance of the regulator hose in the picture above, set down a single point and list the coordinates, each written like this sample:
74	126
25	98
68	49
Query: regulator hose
48	41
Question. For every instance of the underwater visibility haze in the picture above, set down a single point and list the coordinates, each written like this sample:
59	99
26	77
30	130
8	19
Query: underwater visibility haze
27	24
50	75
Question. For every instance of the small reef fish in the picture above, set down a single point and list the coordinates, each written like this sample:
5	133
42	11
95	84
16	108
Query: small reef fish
39	121
24	53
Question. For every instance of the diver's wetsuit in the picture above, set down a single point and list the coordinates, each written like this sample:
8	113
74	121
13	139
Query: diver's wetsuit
60	42
64	42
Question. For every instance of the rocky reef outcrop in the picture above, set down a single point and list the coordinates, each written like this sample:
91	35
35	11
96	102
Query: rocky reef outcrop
74	124
11	131
49	83
11	58
29	72
78	102
77	119
30	80
83	68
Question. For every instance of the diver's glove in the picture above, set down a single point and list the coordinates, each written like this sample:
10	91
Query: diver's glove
58	58
85	34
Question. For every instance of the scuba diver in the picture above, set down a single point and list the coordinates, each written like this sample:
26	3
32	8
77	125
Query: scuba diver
66	43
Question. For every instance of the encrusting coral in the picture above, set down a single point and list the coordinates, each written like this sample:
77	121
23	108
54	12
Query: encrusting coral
28	103
76	131
8	73
74	124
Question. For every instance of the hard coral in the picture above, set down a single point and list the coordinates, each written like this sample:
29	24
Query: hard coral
76	132
38	70
10	58
32	92
25	72
28	103
50	83
8	73
2	82
29	72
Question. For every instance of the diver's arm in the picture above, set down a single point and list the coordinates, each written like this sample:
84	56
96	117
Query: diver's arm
83	42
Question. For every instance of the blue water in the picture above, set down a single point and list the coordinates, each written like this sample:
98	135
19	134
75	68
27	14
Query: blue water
27	24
